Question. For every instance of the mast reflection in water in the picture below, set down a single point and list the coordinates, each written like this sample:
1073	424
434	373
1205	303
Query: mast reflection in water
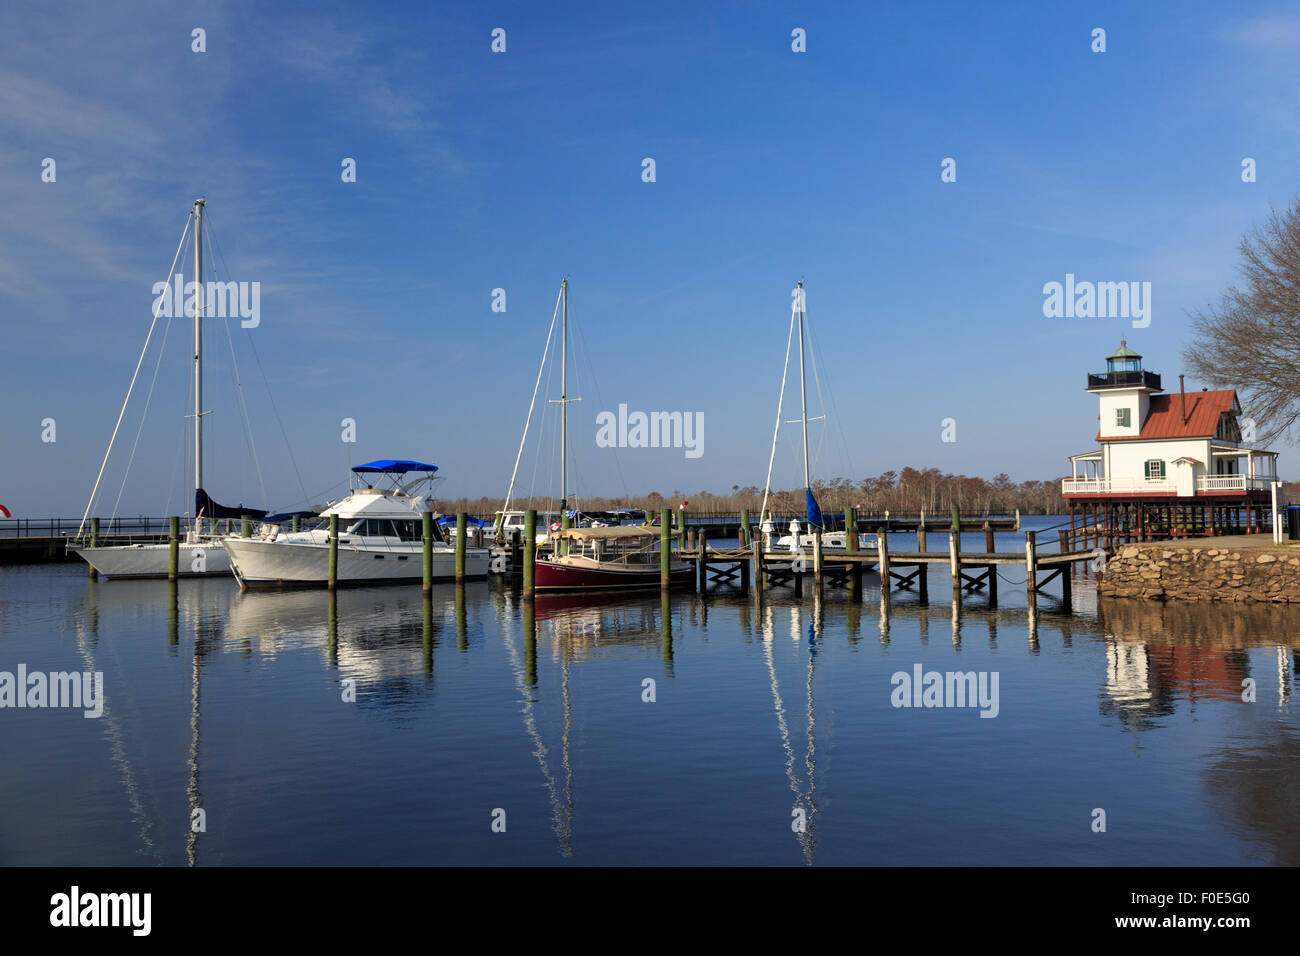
374	727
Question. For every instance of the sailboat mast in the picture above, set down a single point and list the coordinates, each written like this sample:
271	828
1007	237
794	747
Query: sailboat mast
803	391
198	343
564	400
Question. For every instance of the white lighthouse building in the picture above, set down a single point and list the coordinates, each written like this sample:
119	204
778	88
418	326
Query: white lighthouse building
1168	464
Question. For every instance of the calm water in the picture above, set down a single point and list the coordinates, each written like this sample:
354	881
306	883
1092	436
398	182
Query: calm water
234	703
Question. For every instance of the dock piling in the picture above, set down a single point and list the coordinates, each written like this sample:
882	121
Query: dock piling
426	538
530	551
992	577
702	562
460	547
954	560
1031	567
882	557
817	557
853	573
665	549
334	552
174	547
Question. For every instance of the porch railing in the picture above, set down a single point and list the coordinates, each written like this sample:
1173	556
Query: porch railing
1104	486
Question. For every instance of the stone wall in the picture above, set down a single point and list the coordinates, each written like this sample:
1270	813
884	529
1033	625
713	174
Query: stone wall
1159	572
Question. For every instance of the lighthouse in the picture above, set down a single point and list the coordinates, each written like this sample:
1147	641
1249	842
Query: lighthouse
1166	465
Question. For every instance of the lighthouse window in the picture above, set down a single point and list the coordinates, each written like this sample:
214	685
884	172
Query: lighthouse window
1122	417
1155	468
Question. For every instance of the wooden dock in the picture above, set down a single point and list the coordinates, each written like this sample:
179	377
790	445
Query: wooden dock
971	571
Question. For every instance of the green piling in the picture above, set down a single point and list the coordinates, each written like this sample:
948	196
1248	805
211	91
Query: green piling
460	546
530	550
334	552
173	547
94	543
665	548
426	537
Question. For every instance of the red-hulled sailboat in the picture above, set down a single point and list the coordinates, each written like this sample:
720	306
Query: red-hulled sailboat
607	559
622	557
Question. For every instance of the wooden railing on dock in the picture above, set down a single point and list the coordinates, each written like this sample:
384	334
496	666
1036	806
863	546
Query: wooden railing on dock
971	571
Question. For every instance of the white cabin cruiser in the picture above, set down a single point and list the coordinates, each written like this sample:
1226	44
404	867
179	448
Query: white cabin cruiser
380	540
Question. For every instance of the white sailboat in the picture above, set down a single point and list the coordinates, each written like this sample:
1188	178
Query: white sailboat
199	554
800	537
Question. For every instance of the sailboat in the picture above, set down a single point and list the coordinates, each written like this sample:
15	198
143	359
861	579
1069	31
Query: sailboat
620	557
199	554
800	538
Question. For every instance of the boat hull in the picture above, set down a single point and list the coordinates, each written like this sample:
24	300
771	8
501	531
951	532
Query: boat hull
557	576
204	559
271	564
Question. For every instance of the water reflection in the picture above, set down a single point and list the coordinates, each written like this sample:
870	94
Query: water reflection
1138	666
1159	655
802	784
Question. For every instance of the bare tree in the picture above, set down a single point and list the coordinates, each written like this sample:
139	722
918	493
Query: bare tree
1251	340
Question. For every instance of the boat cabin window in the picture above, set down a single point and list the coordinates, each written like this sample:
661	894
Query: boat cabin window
404	529
407	529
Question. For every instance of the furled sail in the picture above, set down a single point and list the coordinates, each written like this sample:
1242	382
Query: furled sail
814	512
203	504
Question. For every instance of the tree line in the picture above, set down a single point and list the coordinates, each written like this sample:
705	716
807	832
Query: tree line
907	491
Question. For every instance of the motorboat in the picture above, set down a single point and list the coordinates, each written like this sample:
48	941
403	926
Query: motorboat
380	538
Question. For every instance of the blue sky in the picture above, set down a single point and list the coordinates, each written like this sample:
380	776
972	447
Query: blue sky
478	171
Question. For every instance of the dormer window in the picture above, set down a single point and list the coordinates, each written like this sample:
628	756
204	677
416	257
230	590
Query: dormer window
1123	417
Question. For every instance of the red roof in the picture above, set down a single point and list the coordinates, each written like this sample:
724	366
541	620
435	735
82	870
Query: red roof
1165	416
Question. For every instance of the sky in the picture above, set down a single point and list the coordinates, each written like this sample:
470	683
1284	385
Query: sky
479	170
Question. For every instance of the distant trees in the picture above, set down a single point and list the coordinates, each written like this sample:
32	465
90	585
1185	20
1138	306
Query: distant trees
1251	340
908	490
